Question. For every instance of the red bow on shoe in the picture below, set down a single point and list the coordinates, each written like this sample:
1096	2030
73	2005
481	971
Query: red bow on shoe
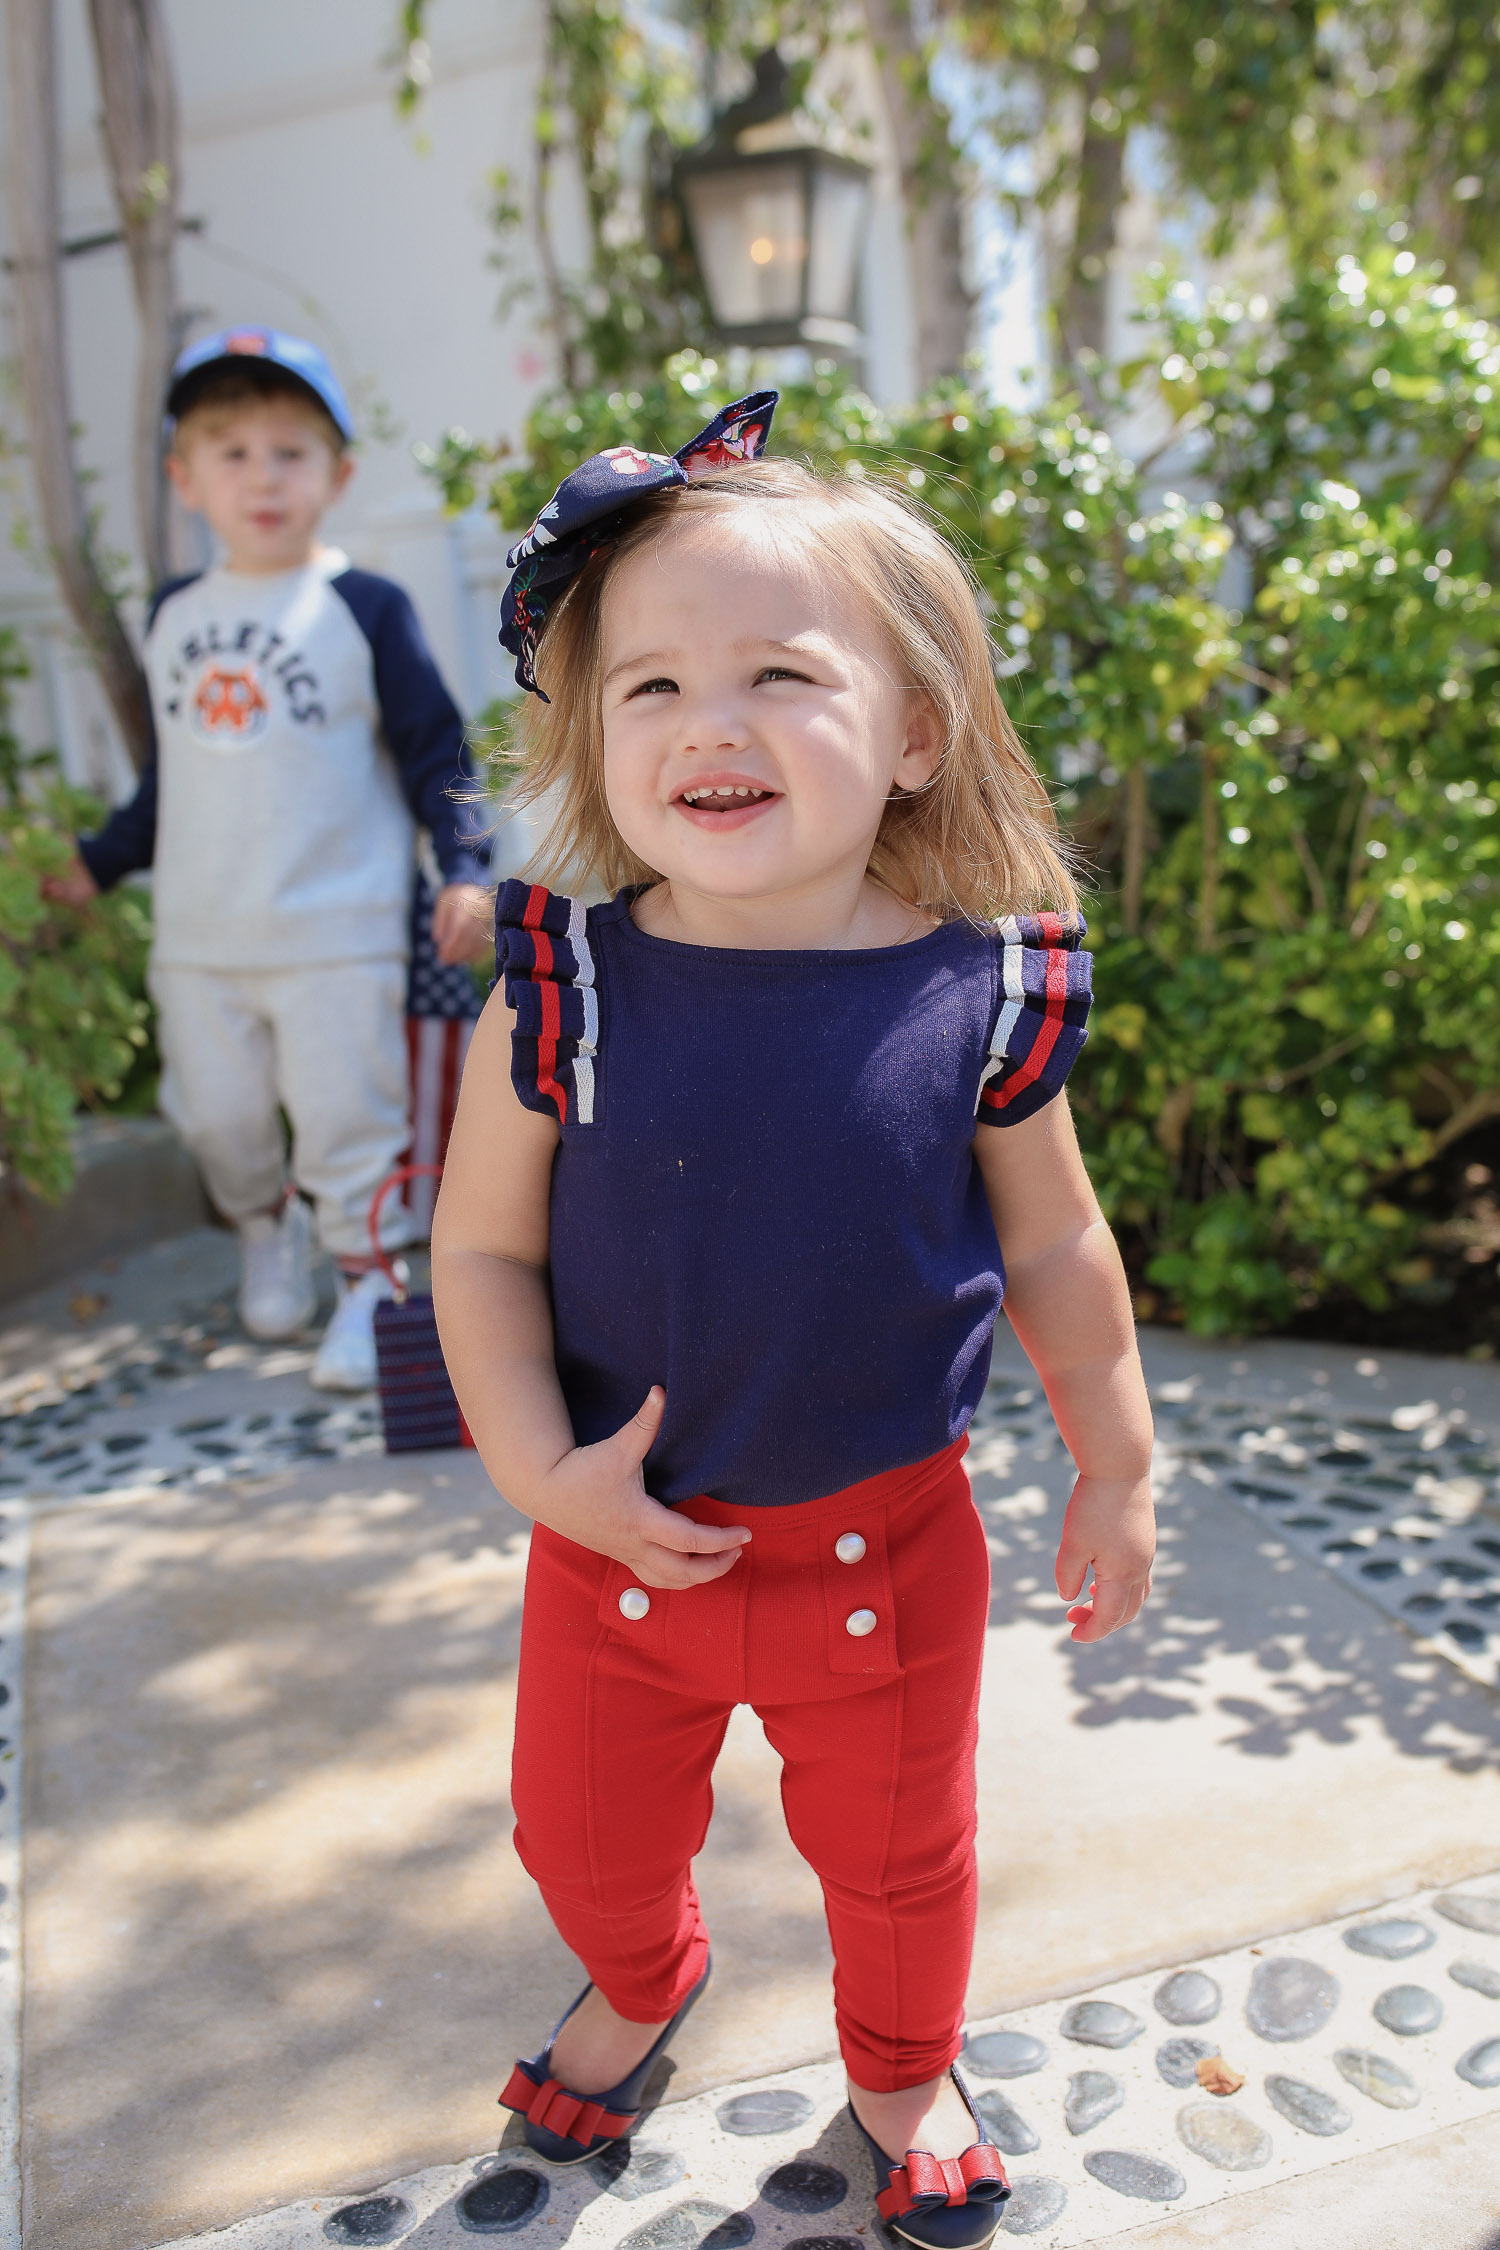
924	2182
570	2116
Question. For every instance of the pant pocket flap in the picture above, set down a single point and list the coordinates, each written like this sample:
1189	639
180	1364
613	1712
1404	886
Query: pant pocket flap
633	1613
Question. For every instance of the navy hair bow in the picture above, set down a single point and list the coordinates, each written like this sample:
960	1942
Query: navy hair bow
589	508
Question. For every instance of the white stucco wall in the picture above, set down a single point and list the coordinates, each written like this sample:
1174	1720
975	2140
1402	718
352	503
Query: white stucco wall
322	213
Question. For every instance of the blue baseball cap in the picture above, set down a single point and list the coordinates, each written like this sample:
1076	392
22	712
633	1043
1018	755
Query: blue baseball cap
293	354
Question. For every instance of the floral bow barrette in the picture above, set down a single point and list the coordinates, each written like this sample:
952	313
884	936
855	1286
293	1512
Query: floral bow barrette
590	506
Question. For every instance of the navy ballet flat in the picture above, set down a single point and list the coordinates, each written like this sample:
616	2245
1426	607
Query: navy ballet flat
564	2128
942	2202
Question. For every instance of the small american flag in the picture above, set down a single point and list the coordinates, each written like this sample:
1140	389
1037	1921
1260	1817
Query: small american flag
441	1007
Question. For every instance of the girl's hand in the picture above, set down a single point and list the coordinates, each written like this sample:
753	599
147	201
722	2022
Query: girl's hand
1110	1524
595	1497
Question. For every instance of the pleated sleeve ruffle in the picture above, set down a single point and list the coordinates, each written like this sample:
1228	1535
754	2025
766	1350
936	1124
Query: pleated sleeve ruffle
1045	991
542	950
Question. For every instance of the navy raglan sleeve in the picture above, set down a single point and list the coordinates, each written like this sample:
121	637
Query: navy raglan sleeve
421	724
127	841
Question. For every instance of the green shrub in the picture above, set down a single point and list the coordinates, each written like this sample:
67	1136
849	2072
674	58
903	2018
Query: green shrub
1287	806
72	1010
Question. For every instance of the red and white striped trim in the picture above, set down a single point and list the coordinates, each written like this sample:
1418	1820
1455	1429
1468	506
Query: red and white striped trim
547	1080
588	1046
1012	953
1014	1002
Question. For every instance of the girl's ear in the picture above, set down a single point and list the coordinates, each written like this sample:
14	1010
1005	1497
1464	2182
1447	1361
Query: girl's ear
923	744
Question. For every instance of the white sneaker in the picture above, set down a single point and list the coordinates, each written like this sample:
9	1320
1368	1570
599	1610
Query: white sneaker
277	1297
346	1356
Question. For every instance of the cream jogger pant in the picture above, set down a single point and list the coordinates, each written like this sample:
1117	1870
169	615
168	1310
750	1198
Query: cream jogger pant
327	1045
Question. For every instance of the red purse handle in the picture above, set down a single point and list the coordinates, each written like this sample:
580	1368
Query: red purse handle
398	1178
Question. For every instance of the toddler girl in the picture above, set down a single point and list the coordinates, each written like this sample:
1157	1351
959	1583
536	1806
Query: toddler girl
719	1253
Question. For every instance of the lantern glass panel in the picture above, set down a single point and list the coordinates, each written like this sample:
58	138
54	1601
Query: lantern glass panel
838	214
750	230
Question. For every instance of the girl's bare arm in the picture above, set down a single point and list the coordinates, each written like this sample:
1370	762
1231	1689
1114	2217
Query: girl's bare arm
494	1311
1068	1302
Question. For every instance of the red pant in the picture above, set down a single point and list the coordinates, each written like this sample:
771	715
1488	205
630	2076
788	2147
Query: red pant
619	1722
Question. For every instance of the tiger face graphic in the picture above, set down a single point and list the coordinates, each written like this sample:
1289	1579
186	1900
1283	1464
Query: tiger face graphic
229	710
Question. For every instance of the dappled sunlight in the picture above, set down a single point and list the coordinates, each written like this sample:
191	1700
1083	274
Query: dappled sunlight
278	1939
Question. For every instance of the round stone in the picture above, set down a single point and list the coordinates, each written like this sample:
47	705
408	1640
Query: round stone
635	1603
1390	1941
630	2169
1004	2054
1385	2082
1005	2125
1481	2065
1189	1997
851	1548
1128	2172
1092	2096
694	2225
1032	2204
773	2109
1307	2107
1289	1998
1408	2010
1479	1976
804	2187
502	2202
1471	1910
1178	2059
1225	2137
1101	2023
860	1621
379	2218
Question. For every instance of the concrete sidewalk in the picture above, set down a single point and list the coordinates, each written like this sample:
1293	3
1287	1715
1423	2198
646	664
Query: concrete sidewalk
277	1946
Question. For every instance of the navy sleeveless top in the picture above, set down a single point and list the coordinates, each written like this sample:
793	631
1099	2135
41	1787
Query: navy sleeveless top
765	1198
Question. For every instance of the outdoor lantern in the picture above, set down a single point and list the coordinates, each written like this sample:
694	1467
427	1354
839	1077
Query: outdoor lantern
777	222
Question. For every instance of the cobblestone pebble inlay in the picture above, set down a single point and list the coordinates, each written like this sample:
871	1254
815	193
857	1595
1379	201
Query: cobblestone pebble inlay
1404	1506
1177	2060
1007	2128
191	1455
1188	1997
757	2163
1092	2096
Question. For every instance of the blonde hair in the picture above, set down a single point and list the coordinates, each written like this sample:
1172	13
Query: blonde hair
979	839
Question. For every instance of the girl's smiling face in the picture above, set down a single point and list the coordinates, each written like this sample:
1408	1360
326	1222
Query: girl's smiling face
755	722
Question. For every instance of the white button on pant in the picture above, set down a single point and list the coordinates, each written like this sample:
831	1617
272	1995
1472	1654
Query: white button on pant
859	1622
634	1603
851	1548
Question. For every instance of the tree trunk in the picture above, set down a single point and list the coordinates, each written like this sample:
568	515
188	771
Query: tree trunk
140	138
1082	313
33	170
943	304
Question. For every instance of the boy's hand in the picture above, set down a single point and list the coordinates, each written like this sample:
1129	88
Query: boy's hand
596	1498
463	923
1110	1524
75	886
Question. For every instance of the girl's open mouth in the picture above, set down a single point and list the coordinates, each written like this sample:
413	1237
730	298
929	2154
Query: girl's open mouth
723	804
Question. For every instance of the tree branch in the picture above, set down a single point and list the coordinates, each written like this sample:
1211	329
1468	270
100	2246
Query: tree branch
943	303
139	124
32	179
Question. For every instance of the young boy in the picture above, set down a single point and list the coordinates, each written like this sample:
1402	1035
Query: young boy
303	733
